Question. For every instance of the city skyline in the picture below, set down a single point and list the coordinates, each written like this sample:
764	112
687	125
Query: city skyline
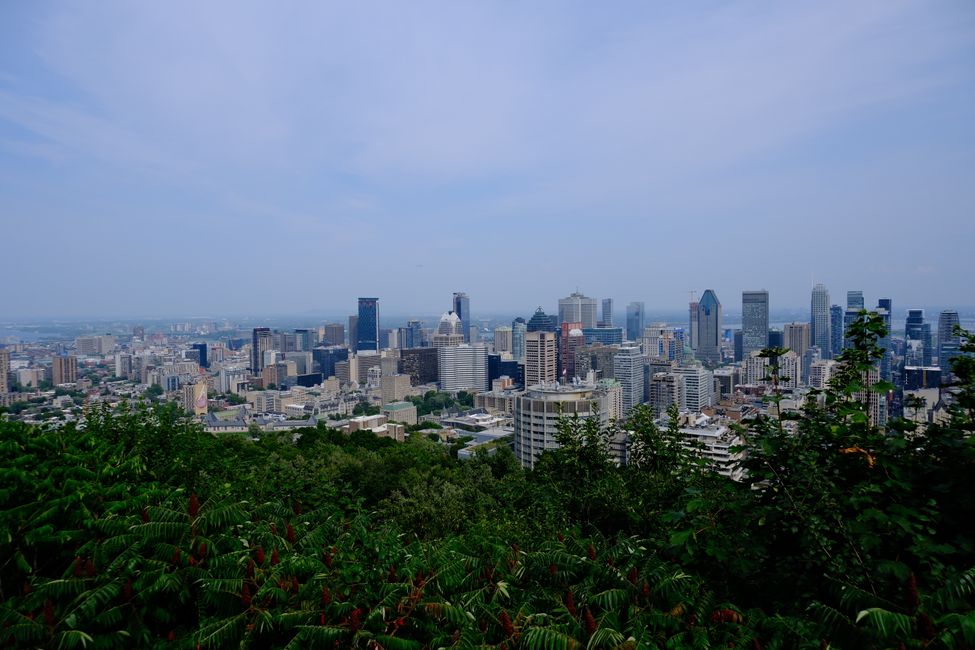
538	133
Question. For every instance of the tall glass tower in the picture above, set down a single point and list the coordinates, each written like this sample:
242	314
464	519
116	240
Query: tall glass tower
462	307
367	327
709	328
819	321
635	316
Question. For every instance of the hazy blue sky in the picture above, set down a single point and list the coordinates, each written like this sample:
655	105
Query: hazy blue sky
207	157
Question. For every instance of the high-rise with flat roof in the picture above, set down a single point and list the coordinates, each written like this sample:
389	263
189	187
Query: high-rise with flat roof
518	330
64	370
948	341
367	327
628	371
635	320
836	329
502	339
538	411
463	367
541	356
261	342
819	320
578	308
4	369
607	319
796	337
919	331
754	321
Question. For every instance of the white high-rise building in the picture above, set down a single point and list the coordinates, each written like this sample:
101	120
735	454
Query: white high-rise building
820	372
463	367
537	413
790	370
698	390
628	371
756	370
578	308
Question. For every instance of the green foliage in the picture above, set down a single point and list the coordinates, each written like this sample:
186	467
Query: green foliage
139	529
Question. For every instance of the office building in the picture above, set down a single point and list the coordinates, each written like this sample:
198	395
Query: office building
948	341
919	332
123	365
754	321
203	351
663	342
195	398
578	308
698	388
64	370
885	309
518	329
462	307
502	339
665	391
540	358
261	341
819	329
463	367
539	409
628	371
820	372
836	329
604	335
635	320
394	388
776	338
305	339
709	328
795	337
367	325
324	359
333	334
4	372
449	331
353	332
541	322
420	364
607	320
570	341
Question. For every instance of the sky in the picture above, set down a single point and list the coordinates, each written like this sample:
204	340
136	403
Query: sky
181	158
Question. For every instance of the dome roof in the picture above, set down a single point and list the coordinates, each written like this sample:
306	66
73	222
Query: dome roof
575	332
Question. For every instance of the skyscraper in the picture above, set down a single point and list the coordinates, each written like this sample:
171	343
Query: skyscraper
542	322
578	308
635	320
819	320
261	342
754	321
305	339
948	341
518	329
607	320
916	329
462	307
368	325
628	371
854	304
541	365
709	328
570	340
836	316
692	328
463	367
353	332
502	339
885	308
796	338
204	357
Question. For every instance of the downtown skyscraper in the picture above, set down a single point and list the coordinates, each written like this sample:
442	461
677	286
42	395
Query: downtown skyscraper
462	307
819	320
635	318
754	321
367	325
709	328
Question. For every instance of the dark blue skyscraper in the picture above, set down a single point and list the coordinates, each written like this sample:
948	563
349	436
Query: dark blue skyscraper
462	307
917	330
204	360
836	330
542	322
885	307
367	328
709	328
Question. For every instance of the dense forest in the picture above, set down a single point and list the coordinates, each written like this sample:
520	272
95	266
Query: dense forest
139	529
